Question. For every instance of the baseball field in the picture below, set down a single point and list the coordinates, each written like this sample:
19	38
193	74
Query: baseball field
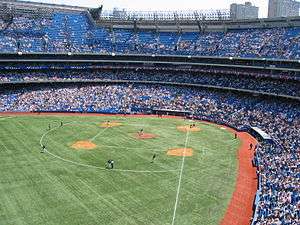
166	171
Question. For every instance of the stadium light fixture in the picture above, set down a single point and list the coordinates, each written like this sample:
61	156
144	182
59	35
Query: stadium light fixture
230	58
113	54
189	57
20	53
153	55
69	53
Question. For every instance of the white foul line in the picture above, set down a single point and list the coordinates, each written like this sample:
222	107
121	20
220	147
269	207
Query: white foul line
180	178
4	118
100	132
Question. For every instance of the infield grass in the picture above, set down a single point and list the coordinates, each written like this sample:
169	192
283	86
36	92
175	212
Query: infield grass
42	189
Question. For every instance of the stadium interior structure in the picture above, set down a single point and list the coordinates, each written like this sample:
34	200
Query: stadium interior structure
240	73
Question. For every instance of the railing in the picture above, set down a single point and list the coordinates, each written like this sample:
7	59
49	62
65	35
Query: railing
256	202
116	14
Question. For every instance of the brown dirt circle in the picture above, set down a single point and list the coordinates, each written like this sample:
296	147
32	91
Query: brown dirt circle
145	136
87	145
188	128
110	124
180	152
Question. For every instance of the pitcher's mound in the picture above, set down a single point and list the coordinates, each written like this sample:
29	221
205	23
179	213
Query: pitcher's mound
87	145
180	152
110	124
188	128
145	136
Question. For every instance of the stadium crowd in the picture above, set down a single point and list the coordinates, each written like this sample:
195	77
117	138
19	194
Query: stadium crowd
278	162
279	195
21	33
254	82
278	166
73	32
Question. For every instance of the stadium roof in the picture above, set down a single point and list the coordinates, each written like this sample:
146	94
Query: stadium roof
40	4
166	5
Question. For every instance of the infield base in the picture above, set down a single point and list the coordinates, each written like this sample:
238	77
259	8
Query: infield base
180	152
188	128
110	124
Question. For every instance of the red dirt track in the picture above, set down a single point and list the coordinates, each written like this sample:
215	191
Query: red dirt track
239	210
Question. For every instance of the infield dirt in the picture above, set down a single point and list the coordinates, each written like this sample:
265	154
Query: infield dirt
110	124
145	136
87	145
180	152
188	128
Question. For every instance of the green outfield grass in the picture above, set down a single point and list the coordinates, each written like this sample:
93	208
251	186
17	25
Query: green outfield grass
68	186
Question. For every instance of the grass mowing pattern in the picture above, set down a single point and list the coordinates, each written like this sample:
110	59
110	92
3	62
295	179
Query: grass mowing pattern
39	189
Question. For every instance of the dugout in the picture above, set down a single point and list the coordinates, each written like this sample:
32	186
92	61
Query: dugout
260	134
